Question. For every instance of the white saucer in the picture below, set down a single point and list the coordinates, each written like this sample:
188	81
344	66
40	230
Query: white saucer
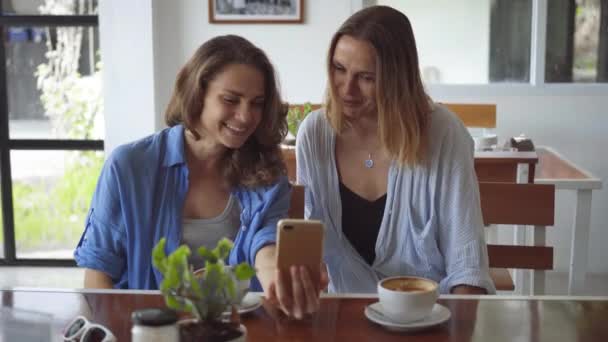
250	302
438	315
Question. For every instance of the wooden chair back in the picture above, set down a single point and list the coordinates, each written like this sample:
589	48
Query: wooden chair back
526	205
501	203
289	156
471	114
474	114
296	203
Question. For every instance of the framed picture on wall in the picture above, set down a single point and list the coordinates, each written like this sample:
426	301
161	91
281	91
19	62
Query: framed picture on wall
256	11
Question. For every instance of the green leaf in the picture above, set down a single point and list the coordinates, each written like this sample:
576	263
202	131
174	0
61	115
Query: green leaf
211	259
159	258
171	279
181	253
174	303
213	274
244	271
230	287
196	287
206	254
188	306
223	248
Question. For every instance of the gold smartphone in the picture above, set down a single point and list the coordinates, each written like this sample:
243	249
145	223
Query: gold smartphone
300	242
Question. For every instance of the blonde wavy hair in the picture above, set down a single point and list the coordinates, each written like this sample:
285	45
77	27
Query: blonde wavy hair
402	104
259	162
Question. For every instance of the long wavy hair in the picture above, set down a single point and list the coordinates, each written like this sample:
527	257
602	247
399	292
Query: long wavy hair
259	162
403	106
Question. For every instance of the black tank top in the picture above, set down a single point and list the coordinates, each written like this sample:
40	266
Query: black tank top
361	221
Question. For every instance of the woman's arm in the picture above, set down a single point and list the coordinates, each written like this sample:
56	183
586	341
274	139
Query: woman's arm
467	289
101	249
461	236
94	279
265	265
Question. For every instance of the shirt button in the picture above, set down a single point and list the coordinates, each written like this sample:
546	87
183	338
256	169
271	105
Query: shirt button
243	227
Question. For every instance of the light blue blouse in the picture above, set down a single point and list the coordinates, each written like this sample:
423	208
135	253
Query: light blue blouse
432	224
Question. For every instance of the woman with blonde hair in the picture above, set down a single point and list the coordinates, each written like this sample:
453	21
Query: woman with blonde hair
216	172
389	172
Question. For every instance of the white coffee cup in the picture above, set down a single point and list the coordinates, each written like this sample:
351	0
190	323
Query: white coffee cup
406	299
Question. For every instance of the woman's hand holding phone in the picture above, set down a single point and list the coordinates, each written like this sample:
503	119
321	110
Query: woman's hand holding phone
294	291
291	272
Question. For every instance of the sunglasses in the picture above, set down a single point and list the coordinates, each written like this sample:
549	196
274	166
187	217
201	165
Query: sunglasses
81	329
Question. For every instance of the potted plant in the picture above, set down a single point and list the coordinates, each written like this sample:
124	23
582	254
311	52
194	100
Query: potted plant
295	116
205	295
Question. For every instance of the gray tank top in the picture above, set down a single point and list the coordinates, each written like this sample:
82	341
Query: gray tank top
207	232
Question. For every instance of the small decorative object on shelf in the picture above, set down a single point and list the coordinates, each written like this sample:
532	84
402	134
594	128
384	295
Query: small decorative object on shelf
522	143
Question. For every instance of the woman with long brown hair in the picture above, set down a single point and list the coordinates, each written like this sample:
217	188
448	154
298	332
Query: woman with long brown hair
389	172
216	172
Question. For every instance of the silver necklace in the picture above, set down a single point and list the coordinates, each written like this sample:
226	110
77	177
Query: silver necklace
369	162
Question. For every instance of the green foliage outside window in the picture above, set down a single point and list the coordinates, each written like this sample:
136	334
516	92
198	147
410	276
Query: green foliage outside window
50	213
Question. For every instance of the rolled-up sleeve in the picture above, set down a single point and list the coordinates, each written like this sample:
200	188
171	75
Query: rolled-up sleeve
102	244
277	210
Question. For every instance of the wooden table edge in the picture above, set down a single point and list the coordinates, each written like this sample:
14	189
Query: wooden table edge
324	295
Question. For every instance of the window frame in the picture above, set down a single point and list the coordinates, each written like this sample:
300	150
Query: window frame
7	144
536	86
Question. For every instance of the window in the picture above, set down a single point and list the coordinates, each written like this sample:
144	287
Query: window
510	40
577	38
51	127
496	41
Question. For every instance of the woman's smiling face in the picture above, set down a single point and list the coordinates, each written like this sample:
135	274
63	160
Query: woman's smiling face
233	106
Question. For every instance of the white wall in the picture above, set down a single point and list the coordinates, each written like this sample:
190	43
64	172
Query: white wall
126	44
144	42
451	36
297	50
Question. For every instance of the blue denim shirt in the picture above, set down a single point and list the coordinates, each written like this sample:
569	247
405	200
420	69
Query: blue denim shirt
139	199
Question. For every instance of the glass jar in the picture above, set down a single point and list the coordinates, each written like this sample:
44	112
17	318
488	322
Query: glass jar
154	325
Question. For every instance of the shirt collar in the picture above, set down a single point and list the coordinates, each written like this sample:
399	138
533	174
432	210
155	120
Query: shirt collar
175	147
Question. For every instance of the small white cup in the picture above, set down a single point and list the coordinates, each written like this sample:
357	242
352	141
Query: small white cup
407	299
242	286
485	142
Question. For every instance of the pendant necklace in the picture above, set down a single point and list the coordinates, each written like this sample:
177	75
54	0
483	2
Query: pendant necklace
369	162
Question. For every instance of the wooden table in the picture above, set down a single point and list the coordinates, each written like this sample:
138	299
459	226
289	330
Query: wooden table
479	318
502	166
555	169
